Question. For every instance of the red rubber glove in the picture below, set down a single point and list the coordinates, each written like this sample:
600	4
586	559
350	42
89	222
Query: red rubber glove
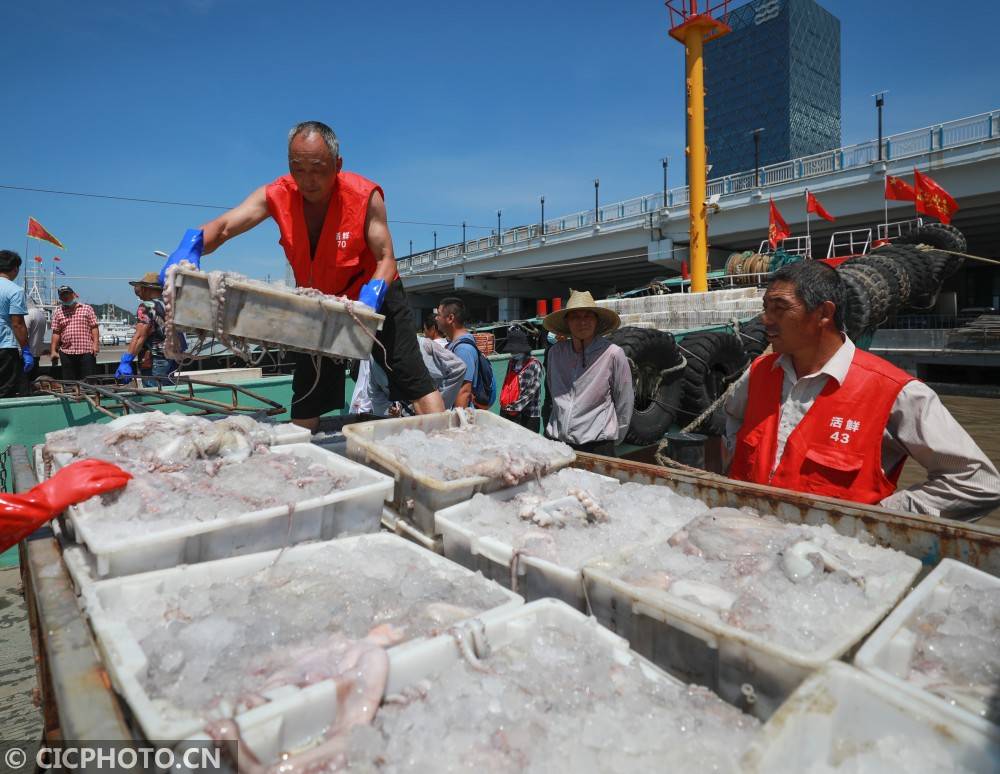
21	514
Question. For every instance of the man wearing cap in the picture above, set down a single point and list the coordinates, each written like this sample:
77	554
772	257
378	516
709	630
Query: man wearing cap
335	234
587	377
522	387
76	336
146	347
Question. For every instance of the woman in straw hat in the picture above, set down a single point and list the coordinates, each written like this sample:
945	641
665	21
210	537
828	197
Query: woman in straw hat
146	347
588	378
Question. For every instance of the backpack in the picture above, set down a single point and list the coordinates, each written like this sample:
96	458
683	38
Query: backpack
486	394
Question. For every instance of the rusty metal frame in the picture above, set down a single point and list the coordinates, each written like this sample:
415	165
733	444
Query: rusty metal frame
135	397
75	690
926	538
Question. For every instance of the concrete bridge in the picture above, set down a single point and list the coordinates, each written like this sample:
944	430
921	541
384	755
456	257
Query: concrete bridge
625	244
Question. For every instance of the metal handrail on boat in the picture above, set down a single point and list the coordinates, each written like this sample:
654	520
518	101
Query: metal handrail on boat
137	397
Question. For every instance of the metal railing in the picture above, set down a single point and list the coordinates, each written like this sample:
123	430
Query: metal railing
963	131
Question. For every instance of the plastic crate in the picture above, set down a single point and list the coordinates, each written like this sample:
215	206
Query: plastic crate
352	511
887	653
432	657
294	716
316	324
690	641
840	711
530	576
418	496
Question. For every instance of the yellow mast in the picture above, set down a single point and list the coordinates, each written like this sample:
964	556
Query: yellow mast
694	29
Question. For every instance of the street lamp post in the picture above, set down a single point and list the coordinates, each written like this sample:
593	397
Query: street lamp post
499	238
543	216
597	188
411	248
666	163
879	102
756	157
463	236
435	245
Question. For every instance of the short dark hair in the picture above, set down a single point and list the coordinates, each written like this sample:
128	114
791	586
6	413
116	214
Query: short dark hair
815	282
316	127
9	260
456	306
430	322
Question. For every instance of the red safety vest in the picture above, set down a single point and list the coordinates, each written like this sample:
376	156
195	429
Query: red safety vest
343	262
836	450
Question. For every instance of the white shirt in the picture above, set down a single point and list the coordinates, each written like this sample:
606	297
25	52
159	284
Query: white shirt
962	483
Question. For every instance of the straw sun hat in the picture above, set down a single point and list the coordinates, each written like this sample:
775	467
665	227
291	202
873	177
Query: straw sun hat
607	319
149	280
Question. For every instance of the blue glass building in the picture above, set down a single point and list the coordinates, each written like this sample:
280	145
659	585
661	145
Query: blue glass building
778	69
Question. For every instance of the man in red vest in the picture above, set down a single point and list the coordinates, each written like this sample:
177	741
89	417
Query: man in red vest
820	416
335	234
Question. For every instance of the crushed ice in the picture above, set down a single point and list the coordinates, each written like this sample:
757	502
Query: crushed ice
500	451
553	699
212	647
573	516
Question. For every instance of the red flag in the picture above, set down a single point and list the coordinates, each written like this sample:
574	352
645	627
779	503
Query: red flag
777	229
899	190
684	270
56	258
813	206
38	259
932	199
37	231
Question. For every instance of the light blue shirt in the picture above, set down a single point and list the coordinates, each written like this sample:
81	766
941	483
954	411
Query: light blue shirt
11	302
470	356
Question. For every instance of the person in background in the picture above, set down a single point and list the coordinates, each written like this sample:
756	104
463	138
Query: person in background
76	336
36	322
14	362
335	234
522	387
432	332
819	415
145	350
450	319
587	377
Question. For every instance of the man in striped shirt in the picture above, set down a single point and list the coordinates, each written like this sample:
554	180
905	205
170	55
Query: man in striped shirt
76	337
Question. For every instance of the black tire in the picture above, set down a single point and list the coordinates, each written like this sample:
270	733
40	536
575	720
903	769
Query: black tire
714	361
916	265
753	337
943	236
857	315
877	289
657	400
895	275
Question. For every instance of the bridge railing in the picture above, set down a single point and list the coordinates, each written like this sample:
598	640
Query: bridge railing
963	131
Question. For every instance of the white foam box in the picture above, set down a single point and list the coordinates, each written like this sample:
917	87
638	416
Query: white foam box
530	576
419	496
293	716
316	324
690	641
840	709
351	511
888	652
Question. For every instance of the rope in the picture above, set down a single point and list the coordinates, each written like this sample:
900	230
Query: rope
692	354
660	453
926	248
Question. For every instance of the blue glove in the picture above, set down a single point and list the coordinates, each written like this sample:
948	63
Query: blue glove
373	294
188	250
29	359
125	371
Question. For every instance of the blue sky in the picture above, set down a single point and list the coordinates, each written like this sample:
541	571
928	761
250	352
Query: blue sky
456	109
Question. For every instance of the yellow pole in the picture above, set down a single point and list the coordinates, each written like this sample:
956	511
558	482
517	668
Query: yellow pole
693	42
